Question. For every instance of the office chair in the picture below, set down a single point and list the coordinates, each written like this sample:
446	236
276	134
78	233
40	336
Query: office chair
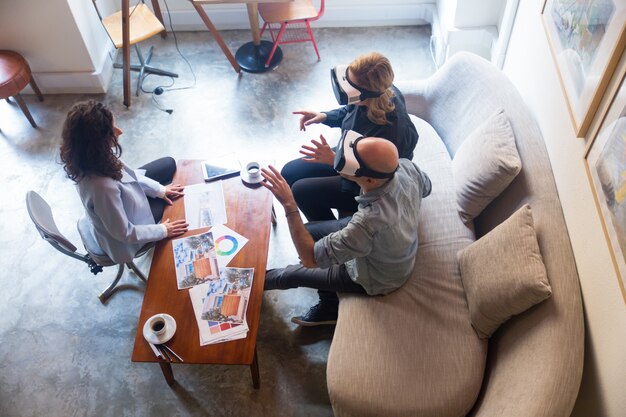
298	14
143	24
41	215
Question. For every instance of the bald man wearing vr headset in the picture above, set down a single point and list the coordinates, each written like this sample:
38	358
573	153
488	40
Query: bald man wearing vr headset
373	251
372	106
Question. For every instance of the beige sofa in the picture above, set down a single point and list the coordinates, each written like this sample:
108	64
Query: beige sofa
414	352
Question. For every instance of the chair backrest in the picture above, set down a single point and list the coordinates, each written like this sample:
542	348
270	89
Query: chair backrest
293	12
41	214
320	12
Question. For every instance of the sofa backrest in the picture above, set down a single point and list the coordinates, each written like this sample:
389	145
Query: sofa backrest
534	364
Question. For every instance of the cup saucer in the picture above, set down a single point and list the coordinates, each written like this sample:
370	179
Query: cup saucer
170	329
248	179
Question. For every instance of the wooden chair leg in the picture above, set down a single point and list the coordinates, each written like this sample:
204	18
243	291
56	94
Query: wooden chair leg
22	104
35	88
157	12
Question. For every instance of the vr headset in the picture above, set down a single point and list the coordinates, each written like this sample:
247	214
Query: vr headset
345	90
347	159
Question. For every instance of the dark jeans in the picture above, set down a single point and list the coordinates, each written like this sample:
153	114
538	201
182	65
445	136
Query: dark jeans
328	281
161	170
318	188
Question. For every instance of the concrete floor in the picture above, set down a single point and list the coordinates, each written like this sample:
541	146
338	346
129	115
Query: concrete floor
63	353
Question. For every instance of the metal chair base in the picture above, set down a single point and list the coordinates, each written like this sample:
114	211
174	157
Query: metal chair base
143	68
106	294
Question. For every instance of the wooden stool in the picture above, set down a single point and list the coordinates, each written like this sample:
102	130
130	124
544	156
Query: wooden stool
14	76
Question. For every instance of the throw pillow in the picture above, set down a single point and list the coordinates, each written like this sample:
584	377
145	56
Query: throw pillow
503	273
484	165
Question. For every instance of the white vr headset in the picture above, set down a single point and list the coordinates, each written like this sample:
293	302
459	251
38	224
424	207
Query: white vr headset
347	159
345	90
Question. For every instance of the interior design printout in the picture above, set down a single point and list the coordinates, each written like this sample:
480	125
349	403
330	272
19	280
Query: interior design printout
204	205
220	307
195	260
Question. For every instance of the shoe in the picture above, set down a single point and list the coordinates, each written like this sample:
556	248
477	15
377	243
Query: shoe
318	315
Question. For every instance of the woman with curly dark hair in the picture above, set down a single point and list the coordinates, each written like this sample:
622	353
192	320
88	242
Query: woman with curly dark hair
124	205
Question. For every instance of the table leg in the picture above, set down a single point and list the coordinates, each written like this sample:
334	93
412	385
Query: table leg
253	17
252	56
126	51
254	370
157	12
274	221
217	36
166	368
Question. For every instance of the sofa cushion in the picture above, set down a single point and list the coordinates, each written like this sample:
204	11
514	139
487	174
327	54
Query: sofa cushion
413	352
503	273
484	165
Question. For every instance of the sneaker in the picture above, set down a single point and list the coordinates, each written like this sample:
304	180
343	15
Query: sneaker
317	315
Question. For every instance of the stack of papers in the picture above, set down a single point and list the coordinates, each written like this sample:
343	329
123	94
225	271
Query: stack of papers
220	306
219	294
201	258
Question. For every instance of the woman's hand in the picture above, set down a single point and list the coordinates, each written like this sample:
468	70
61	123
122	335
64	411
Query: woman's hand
173	192
309	118
279	187
175	228
320	153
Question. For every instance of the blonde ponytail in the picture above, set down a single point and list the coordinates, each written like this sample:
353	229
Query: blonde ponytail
373	71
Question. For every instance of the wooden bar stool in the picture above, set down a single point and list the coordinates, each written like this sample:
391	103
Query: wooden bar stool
15	75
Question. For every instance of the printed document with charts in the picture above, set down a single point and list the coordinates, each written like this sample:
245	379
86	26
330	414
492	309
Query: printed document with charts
220	306
200	258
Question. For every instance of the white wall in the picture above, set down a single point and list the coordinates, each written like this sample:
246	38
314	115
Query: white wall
49	34
531	67
45	33
69	51
338	13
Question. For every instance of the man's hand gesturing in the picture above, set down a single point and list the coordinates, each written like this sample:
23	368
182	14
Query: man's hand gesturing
279	187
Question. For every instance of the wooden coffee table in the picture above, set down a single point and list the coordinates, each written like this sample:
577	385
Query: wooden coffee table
249	214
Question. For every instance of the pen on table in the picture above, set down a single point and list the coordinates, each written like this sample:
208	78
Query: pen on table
160	347
156	351
173	353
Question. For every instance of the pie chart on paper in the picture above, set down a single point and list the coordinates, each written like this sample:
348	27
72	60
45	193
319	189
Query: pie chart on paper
226	245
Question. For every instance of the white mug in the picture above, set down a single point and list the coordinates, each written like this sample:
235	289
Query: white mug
157	325
253	169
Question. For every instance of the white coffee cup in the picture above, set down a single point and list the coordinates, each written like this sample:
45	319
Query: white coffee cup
157	325
253	169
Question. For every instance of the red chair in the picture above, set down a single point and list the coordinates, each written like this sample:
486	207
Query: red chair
298	14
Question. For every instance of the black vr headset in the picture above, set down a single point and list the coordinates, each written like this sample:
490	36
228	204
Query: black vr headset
345	90
347	159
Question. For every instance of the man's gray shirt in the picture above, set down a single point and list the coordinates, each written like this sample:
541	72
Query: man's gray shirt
379	243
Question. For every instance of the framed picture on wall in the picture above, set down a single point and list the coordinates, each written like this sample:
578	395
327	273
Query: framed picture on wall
605	161
586	38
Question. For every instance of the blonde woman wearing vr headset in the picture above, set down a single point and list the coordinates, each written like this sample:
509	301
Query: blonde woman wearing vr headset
372	106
